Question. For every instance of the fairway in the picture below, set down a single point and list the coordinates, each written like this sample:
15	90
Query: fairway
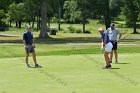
71	74
64	46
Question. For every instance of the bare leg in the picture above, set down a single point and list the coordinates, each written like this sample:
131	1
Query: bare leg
116	55
26	58
111	55
34	57
106	55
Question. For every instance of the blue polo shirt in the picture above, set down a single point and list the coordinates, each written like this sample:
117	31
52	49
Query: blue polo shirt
103	37
28	37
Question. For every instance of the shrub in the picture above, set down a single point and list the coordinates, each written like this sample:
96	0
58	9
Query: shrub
71	29
87	32
78	31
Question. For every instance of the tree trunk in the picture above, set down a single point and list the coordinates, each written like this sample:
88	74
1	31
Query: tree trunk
33	22
29	22
59	17
134	21
43	32
84	25
16	24
134	24
19	22
107	14
49	24
135	31
37	23
10	23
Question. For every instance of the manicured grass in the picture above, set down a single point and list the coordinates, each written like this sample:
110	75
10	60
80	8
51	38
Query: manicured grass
70	74
17	50
72	63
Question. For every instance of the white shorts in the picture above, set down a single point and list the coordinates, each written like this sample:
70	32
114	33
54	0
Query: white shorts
109	47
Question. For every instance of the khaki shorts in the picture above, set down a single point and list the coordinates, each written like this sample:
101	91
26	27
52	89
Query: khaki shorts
30	49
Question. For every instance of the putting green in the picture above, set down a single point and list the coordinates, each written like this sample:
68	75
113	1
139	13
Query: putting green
71	74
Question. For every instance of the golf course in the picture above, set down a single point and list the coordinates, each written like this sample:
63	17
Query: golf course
71	63
69	46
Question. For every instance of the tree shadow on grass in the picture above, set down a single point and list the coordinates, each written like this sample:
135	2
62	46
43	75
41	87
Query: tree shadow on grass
67	40
51	40
10	39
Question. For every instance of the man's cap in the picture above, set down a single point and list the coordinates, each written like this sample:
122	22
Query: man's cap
112	24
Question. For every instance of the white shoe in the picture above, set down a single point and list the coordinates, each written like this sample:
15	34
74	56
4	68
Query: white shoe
28	66
116	62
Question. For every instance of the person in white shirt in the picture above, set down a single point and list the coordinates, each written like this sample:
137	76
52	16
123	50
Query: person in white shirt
114	36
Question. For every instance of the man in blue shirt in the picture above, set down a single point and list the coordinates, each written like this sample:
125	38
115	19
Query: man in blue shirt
106	45
29	46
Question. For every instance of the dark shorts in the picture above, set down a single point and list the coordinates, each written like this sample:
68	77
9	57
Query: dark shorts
114	43
30	49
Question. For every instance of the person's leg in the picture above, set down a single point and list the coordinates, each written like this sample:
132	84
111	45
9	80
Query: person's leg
34	57
111	56
111	53
116	55
26	58
106	55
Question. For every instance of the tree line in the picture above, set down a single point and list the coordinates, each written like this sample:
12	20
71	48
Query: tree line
71	11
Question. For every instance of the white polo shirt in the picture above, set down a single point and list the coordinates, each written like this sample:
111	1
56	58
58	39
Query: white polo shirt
113	33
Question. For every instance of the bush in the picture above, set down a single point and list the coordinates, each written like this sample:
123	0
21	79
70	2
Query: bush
87	32
78	31
54	20
61	29
65	31
71	29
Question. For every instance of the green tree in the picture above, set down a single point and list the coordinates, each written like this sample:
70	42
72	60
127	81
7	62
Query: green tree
5	3
16	13
55	9
2	15
32	10
115	7
131	11
104	10
88	9
71	14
